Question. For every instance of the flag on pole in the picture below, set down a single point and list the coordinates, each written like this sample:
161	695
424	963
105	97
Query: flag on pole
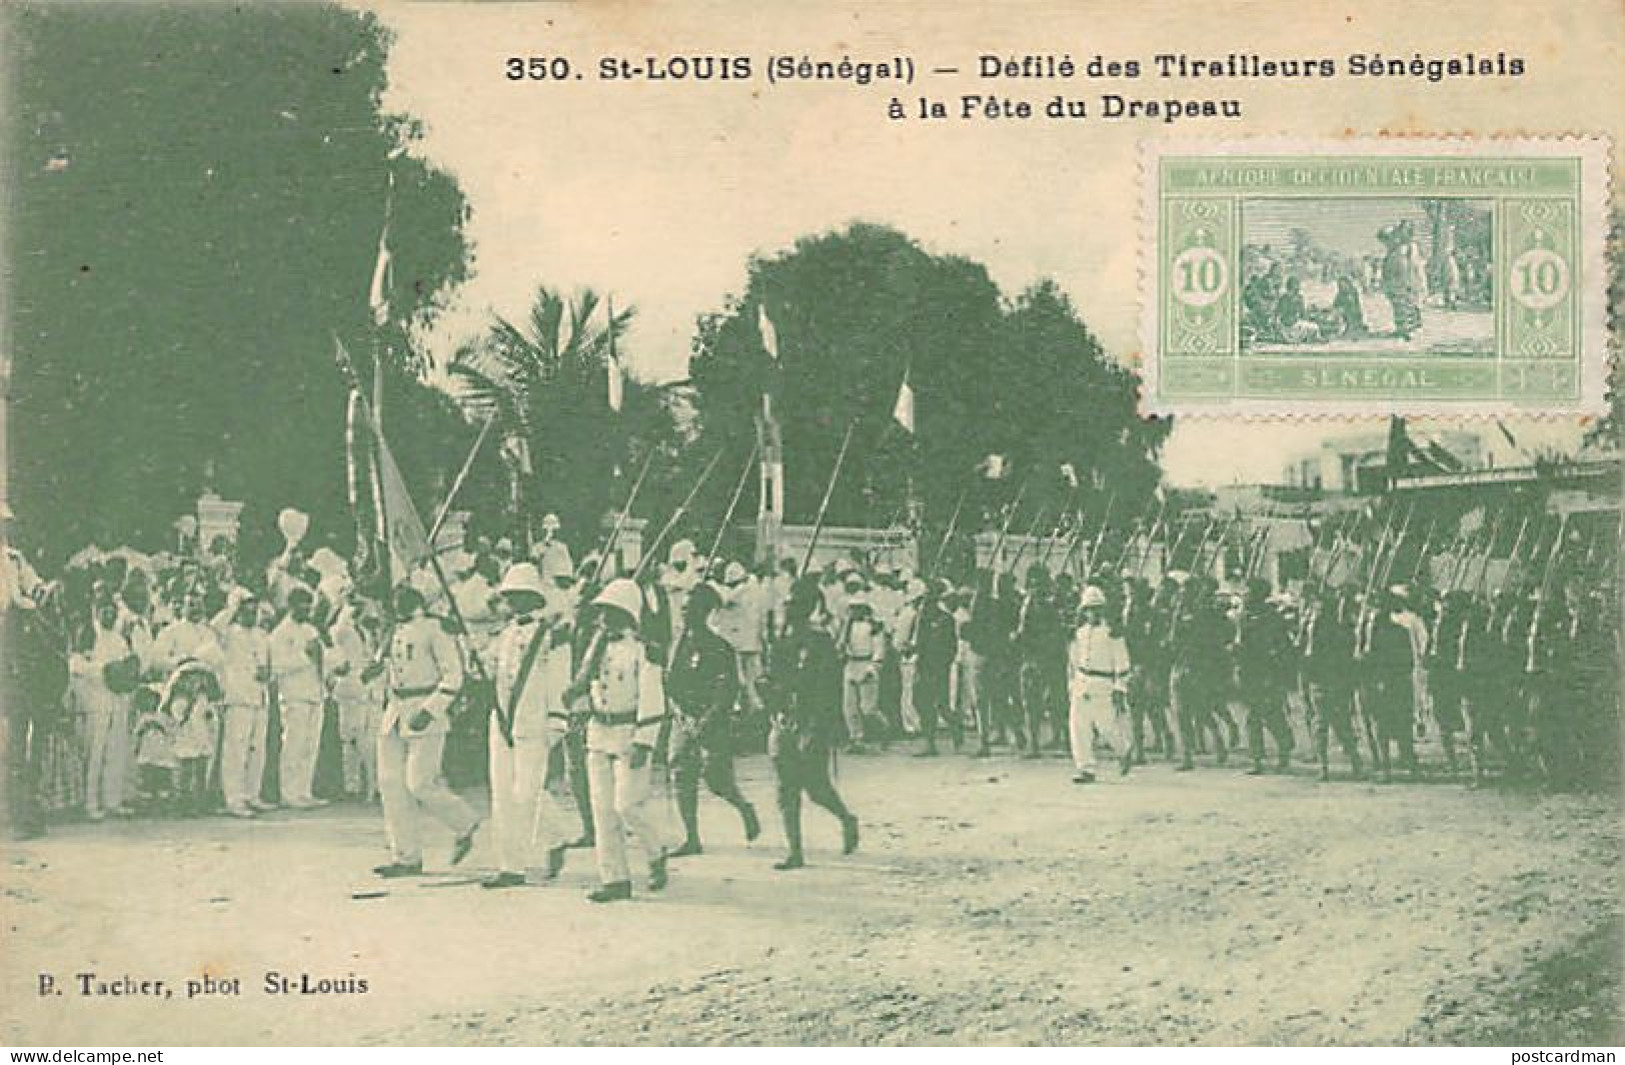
378	293
770	335
615	382
903	410
612	364
993	467
408	539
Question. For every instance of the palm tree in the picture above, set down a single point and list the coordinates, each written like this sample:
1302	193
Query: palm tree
546	385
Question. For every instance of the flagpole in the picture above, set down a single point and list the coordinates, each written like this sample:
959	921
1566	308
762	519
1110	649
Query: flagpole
829	490
462	475
614	536
948	533
676	515
739	490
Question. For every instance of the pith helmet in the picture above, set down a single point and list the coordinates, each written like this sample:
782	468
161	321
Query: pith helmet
1093	596
522	577
556	562
623	594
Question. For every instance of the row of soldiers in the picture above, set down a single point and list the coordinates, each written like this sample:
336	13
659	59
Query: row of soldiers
1525	676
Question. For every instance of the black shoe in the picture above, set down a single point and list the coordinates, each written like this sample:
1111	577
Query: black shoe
555	863
394	870
753	824
1124	764
619	891
688	849
792	861
849	834
503	880
463	844
658	875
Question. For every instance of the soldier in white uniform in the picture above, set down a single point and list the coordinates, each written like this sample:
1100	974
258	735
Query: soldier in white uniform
1099	679
244	672
627	708
678	577
742	621
531	656
425	676
296	665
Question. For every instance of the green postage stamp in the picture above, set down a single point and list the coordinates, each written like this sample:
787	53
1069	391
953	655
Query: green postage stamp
1392	275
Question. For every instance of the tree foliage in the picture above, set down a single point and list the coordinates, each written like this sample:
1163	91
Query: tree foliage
196	199
545	381
854	311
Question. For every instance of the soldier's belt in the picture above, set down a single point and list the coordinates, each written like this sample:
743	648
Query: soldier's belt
414	693
630	718
1101	674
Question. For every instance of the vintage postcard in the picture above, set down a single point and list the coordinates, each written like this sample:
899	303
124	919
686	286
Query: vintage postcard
836	524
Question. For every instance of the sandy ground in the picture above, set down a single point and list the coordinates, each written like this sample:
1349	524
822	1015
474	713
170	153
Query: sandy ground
992	902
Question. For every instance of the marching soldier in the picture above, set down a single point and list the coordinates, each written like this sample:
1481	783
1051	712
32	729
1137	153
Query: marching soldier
701	688
1326	650
936	644
1198	679
807	684
1263	655
627	709
531	658
1040	640
425	672
1142	627
1100	669
1389	693
861	646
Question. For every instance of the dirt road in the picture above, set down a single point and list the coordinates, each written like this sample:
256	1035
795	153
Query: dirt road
992	902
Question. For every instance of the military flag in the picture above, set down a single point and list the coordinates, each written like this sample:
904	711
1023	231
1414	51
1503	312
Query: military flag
378	291
769	334
902	411
612	364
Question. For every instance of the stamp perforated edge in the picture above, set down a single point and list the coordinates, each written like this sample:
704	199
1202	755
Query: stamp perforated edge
1596	195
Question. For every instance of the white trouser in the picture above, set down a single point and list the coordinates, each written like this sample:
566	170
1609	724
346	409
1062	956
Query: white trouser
410	782
860	696
620	801
1094	713
907	669
242	747
358	747
107	751
527	819
301	739
749	666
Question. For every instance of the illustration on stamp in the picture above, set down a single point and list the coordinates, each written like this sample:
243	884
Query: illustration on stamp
1386	272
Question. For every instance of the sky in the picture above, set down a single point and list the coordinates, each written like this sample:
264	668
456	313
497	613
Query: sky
659	193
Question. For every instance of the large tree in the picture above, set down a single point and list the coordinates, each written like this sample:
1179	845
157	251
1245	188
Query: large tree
196	195
856	310
546	383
